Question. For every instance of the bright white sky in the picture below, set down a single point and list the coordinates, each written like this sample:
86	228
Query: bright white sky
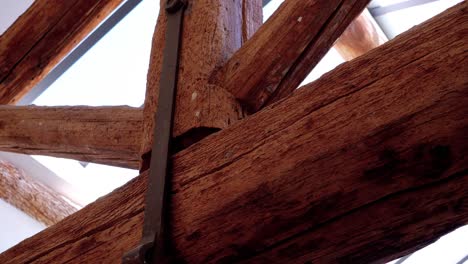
15	226
113	72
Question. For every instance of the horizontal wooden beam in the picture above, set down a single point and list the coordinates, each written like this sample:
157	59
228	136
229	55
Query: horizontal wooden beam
41	38
379	142
361	36
33	198
107	135
285	49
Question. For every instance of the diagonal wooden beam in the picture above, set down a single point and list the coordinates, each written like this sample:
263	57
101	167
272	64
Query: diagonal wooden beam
285	49
361	36
41	38
32	197
36	170
363	165
388	228
107	135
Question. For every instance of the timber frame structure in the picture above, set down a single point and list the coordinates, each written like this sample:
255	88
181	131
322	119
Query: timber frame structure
364	165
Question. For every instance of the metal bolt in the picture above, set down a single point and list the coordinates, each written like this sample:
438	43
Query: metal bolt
173	6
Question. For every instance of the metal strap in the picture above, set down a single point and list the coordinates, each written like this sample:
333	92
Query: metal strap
153	247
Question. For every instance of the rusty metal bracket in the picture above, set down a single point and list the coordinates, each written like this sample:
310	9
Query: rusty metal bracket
153	245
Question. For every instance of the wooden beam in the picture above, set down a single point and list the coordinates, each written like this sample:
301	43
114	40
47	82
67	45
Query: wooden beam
41	38
362	35
38	171
107	135
376	149
32	197
285	49
212	31
389	228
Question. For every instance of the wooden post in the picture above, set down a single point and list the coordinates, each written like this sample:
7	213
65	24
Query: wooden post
363	165
212	31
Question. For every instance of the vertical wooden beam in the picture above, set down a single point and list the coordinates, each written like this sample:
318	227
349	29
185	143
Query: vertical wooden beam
212	31
32	197
362	35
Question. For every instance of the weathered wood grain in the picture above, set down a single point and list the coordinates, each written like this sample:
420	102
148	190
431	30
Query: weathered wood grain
107	135
32	197
212	31
389	228
380	136
41	38
359	37
285	49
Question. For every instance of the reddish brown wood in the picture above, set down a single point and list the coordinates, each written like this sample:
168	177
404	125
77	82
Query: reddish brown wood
285	49
212	31
382	133
389	228
41	38
361	36
107	135
27	36
32	197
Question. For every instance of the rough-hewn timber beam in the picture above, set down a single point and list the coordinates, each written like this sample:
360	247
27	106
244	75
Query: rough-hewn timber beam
107	135
212	32
362	35
364	164
32	197
285	49
41	37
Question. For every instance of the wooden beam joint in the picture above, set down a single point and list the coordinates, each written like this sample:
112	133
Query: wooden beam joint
201	107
